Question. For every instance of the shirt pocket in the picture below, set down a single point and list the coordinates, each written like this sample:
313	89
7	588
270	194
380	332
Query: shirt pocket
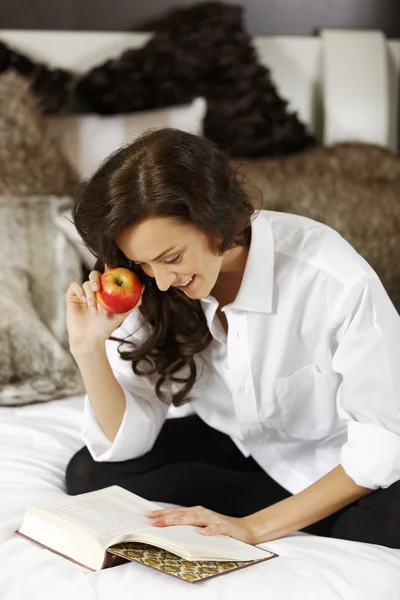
307	401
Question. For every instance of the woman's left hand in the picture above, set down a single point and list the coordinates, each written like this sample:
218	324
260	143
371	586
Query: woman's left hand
211	521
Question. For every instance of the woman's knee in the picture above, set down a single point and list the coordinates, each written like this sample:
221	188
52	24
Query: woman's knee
84	474
79	473
374	519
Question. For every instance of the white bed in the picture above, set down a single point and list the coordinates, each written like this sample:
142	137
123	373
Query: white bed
36	442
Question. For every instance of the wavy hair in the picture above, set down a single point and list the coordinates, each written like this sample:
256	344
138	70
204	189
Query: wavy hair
164	173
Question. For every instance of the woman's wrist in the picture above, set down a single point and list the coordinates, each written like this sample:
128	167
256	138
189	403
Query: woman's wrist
258	529
87	347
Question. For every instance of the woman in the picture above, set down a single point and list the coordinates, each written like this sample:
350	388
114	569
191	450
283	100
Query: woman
276	331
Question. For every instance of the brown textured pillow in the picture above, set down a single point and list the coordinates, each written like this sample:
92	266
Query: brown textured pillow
352	187
30	161
38	263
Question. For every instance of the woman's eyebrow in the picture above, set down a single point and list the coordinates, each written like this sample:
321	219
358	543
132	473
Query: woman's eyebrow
158	257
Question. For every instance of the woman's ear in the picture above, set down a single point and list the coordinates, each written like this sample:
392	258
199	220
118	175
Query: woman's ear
214	243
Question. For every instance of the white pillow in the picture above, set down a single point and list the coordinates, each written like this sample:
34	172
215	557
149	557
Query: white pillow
87	140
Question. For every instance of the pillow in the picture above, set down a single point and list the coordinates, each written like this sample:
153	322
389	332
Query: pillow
354	188
30	161
51	86
38	262
87	140
202	51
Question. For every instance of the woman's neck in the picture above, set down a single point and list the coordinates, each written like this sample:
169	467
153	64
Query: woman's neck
231	274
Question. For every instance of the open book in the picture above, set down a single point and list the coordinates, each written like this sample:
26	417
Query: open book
106	527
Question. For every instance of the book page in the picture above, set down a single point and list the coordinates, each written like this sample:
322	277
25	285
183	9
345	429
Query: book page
105	514
197	545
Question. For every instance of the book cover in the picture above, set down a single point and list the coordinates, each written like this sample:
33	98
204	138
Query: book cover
191	571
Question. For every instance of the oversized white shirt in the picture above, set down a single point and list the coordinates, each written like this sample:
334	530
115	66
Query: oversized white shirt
308	376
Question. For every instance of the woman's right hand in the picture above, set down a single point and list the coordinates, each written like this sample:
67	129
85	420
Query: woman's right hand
88	323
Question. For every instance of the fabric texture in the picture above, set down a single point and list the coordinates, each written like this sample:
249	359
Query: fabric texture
87	140
354	188
51	86
38	262
30	160
202	51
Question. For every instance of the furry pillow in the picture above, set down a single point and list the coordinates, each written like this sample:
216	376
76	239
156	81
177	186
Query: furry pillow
202	51
38	262
51	86
30	160
354	188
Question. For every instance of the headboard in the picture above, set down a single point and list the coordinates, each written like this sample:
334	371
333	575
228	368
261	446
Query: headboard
343	84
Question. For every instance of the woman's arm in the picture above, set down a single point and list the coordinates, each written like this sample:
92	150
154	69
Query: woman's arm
105	394
329	494
122	415
321	499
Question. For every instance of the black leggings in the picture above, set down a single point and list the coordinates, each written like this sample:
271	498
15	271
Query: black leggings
193	464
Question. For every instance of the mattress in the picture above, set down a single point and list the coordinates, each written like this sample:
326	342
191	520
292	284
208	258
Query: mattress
36	443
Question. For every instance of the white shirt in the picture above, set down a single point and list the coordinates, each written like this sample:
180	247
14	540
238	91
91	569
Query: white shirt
308	376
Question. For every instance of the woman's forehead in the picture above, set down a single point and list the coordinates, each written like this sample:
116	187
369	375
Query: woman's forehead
149	239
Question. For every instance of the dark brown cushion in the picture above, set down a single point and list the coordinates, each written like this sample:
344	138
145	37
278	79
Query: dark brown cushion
202	51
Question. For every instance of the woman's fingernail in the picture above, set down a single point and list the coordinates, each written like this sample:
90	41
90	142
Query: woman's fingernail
95	287
169	520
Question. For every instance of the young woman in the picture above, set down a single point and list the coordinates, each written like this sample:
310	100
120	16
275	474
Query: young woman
279	335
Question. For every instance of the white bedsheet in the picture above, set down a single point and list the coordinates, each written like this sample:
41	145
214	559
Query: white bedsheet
36	442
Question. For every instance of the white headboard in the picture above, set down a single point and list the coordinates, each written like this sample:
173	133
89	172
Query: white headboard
343	84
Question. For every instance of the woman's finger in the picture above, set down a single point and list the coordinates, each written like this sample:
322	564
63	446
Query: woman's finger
94	278
190	516
76	290
176	510
91	298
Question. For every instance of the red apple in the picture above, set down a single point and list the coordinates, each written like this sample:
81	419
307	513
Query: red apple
120	290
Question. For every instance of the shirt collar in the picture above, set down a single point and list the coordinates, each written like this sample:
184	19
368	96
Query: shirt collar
256	289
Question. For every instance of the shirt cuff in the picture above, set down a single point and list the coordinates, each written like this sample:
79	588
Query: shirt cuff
135	436
371	455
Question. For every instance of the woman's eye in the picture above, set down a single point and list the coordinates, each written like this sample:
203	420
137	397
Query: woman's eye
173	260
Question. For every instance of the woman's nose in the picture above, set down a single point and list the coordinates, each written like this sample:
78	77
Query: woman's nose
164	279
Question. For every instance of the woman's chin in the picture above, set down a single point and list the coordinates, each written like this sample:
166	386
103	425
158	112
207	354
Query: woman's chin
198	292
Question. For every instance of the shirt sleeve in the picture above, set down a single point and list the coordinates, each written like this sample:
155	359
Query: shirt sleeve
367	357
144	414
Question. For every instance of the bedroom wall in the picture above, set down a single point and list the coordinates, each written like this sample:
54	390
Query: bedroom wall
264	17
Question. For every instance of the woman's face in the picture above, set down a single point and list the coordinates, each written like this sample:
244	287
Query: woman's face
175	254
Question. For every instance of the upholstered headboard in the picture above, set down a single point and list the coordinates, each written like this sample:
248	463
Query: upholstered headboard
343	84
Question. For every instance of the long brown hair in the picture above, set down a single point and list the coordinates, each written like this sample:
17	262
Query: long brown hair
164	173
